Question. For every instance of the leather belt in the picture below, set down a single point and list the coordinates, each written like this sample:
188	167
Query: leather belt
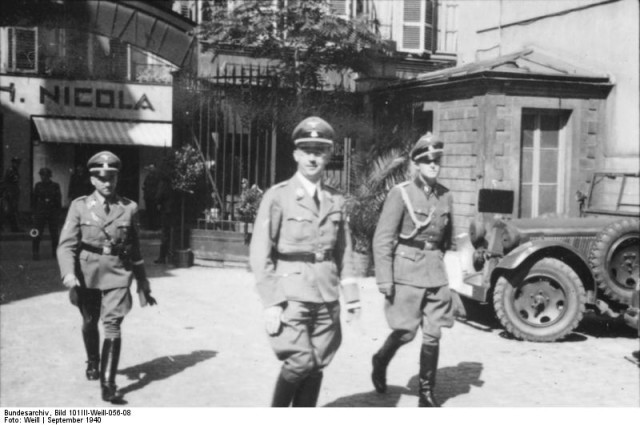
103	250
307	257
423	245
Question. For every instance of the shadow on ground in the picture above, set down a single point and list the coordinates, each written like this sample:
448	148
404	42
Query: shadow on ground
161	368
451	382
21	277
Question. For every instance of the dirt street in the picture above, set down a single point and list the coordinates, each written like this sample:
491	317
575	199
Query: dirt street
204	346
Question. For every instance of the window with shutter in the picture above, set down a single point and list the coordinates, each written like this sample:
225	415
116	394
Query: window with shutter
447	27
23	49
418	23
339	7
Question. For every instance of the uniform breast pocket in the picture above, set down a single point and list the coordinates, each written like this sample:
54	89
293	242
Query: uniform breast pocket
123	231
90	230
298	227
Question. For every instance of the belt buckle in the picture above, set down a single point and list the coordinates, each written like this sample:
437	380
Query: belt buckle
106	250
319	256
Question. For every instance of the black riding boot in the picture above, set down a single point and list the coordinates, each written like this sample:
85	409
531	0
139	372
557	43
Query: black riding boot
308	392
35	249
92	346
109	368
381	360
283	393
427	377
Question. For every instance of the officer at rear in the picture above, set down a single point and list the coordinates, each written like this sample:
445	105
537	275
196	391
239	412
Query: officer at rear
99	255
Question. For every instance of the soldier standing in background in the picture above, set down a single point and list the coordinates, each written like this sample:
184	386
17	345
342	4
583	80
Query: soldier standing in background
11	194
99	254
301	255
413	232
150	192
46	201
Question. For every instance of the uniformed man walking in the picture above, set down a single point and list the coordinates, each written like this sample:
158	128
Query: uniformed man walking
46	201
98	255
301	256
413	232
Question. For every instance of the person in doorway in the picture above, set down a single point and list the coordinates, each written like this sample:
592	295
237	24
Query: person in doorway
11	195
150	191
46	202
99	255
413	232
165	205
300	253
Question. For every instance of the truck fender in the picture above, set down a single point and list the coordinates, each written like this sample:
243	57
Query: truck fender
561	250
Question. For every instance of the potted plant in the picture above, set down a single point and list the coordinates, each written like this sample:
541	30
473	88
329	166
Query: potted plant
248	209
187	170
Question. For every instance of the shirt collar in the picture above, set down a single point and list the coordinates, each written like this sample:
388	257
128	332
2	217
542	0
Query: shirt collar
429	190
308	185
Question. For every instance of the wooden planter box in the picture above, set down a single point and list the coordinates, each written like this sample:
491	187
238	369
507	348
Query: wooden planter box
221	245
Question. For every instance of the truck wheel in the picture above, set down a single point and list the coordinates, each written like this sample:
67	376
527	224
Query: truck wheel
615	259
542	302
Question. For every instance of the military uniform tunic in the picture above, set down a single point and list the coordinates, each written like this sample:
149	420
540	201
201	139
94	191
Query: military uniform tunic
411	257
301	256
89	229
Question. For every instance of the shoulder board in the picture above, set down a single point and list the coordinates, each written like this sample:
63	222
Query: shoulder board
403	184
125	201
280	185
81	198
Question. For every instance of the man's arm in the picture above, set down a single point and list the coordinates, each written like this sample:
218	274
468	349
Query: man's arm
68	245
385	237
265	231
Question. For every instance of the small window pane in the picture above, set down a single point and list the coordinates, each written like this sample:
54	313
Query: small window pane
525	201
528	124
549	128
548	196
549	166
527	166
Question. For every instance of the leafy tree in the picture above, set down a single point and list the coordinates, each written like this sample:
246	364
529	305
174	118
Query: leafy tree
304	39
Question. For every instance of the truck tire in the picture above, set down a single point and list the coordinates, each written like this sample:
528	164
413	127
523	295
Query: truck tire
615	259
541	302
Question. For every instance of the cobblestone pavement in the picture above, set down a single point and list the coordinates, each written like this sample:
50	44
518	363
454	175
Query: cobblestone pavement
204	346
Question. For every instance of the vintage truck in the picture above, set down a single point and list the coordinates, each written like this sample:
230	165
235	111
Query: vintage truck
540	275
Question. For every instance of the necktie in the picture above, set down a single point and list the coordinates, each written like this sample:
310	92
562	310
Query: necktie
106	207
316	199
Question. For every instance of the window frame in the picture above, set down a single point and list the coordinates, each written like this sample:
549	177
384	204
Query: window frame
12	64
422	26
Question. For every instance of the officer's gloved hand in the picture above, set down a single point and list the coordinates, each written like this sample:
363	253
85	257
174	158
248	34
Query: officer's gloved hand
354	311
144	293
273	319
70	280
386	289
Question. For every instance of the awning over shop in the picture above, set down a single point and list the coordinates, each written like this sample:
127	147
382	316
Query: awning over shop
62	130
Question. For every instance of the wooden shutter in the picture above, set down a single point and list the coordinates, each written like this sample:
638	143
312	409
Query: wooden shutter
429	25
339	7
411	31
23	49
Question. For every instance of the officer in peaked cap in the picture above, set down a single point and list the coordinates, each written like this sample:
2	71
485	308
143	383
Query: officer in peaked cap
103	164
101	234
46	201
413	232
301	256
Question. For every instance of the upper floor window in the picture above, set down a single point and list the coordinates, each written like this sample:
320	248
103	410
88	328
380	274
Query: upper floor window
447	26
23	49
418	25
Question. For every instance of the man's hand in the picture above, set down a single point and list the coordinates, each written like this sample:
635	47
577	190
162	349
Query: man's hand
386	289
70	280
273	319
353	312
144	293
